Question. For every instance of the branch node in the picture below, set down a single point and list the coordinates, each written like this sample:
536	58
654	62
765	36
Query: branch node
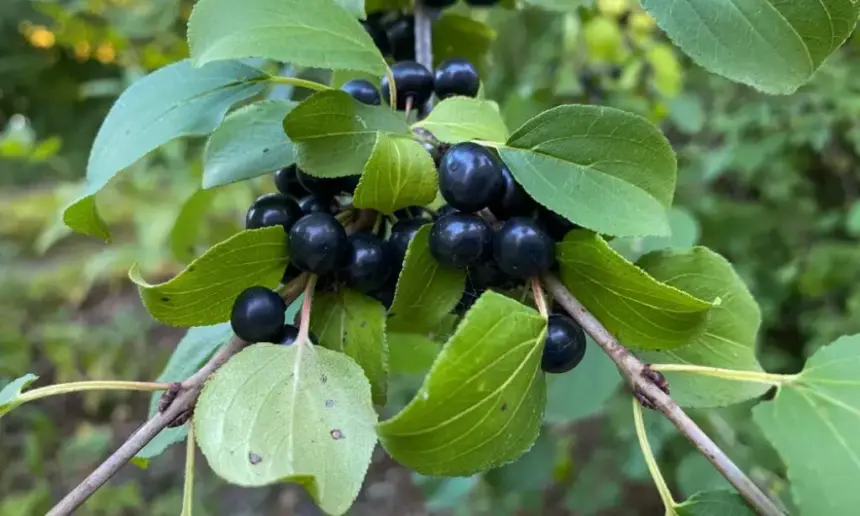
169	395
182	418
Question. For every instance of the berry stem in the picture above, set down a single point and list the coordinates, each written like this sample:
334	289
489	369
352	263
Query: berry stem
295	81
728	374
305	320
650	460
540	297
188	488
66	388
377	223
392	88
409	102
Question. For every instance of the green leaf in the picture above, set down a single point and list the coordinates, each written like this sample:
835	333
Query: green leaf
482	402
204	292
319	34
772	46
695	473
564	6
354	324
411	353
813	423
714	503
335	135
604	169
289	413
9	395
399	173
459	119
186	228
251	142
426	291
641	311
566	400
192	351
729	338
174	101
457	35
354	7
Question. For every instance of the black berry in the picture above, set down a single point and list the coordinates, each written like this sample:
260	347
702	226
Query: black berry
317	243
287	182
514	201
363	91
470	177
369	263
522	248
321	186
401	35
258	315
564	346
290	333
401	234
556	225
411	80
461	240
385	295
379	36
314	204
445	210
456	77
488	275
272	210
290	273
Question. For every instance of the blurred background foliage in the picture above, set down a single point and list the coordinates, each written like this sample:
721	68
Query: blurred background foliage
769	182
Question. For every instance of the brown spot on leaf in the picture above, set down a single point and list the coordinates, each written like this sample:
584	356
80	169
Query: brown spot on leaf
165	299
504	407
265	150
323	378
329	403
363	324
254	459
337	435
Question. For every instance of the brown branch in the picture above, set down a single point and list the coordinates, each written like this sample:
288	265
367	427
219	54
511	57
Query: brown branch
650	387
181	405
424	42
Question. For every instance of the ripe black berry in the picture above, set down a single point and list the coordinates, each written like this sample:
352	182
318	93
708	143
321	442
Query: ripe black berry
314	204
363	91
412	80
514	201
287	182
445	210
385	295
461	240
488	275
401	234
321	186
379	36
290	333
522	248
401	35
564	346
258	315
456	77
470	177
317	243
369	264
556	225
272	210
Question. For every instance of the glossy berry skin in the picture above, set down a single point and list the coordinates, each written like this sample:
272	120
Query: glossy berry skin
401	35
556	225
290	333
412	80
514	201
369	263
564	346
456	77
321	186
272	210
258	315
401	234
379	36
314	204
317	243
287	182
445	210
363	91
470	177
522	248
461	240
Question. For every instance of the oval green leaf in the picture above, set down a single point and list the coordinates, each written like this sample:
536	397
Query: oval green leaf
399	173
482	402
426	291
204	292
319	34
772	46
459	119
354	324
187	226
251	142
814	424
729	338
11	393
637	308
289	413
177	100
335	135
411	353
602	168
